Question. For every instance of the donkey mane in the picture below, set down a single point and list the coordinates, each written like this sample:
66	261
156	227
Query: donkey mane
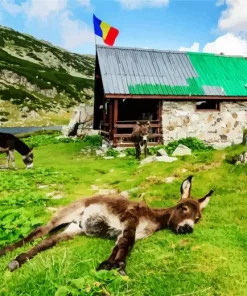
113	216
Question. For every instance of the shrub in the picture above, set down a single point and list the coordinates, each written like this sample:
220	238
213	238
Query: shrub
234	152
193	143
112	152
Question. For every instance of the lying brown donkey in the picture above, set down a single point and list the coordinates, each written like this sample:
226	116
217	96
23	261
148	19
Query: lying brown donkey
114	217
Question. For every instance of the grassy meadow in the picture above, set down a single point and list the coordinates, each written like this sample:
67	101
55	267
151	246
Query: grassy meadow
211	261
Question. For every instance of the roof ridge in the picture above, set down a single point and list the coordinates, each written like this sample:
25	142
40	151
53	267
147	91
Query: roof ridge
168	51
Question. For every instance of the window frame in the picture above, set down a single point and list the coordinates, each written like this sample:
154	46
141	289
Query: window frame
218	106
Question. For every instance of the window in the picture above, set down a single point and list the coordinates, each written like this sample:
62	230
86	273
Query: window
208	105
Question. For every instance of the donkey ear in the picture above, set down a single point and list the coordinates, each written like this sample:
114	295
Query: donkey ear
148	123
205	200
138	123
186	187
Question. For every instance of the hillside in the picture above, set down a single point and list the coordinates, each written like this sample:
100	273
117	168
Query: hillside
40	84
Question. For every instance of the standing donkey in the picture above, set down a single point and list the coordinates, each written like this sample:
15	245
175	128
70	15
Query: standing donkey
9	143
139	137
112	216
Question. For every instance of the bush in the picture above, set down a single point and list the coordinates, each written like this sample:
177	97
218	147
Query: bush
234	152
193	143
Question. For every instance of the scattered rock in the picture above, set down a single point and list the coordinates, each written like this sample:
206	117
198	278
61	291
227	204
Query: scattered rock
107	191
104	148
181	150
50	194
112	170
184	170
127	192
169	179
99	152
121	155
52	209
42	186
221	146
59	196
161	152
165	158
155	158
103	191
108	157
94	187
148	159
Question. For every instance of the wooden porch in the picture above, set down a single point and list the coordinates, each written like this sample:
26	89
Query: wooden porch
118	131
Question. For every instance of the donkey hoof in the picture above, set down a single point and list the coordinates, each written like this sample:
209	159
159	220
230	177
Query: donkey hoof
105	265
13	265
122	272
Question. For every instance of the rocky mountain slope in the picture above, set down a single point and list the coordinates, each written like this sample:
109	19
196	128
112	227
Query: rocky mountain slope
40	84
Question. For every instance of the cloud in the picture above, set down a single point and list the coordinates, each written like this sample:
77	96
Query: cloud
84	3
228	44
11	7
233	22
42	9
220	3
195	47
138	4
74	32
234	18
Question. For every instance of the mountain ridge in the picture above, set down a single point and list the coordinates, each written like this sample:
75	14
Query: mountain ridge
40	83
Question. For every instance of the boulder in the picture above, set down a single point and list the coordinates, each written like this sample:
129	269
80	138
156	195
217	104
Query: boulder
148	159
155	158
181	150
161	152
165	158
99	152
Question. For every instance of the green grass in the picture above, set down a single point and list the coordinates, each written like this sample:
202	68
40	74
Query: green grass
211	261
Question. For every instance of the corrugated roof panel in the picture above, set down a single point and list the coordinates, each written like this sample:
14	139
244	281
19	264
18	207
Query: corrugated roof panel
152	72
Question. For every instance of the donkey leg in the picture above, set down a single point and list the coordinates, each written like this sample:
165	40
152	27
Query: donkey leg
36	233
54	223
12	158
138	150
7	159
145	149
120	252
72	230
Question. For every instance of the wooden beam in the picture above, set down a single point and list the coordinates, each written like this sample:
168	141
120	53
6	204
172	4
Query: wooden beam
115	118
110	120
104	133
128	135
166	97
129	144
159	116
118	125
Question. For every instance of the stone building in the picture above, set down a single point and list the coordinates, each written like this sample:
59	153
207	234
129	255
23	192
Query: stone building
185	94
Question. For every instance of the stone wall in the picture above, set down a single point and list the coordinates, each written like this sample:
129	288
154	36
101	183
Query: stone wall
219	128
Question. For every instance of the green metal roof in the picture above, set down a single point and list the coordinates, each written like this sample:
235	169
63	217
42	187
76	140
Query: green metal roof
152	72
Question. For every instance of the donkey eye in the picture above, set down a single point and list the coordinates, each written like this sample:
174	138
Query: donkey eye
185	209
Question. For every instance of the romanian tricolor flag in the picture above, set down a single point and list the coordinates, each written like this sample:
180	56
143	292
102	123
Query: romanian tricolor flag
105	31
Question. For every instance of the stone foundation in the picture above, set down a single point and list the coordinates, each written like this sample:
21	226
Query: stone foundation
218	128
